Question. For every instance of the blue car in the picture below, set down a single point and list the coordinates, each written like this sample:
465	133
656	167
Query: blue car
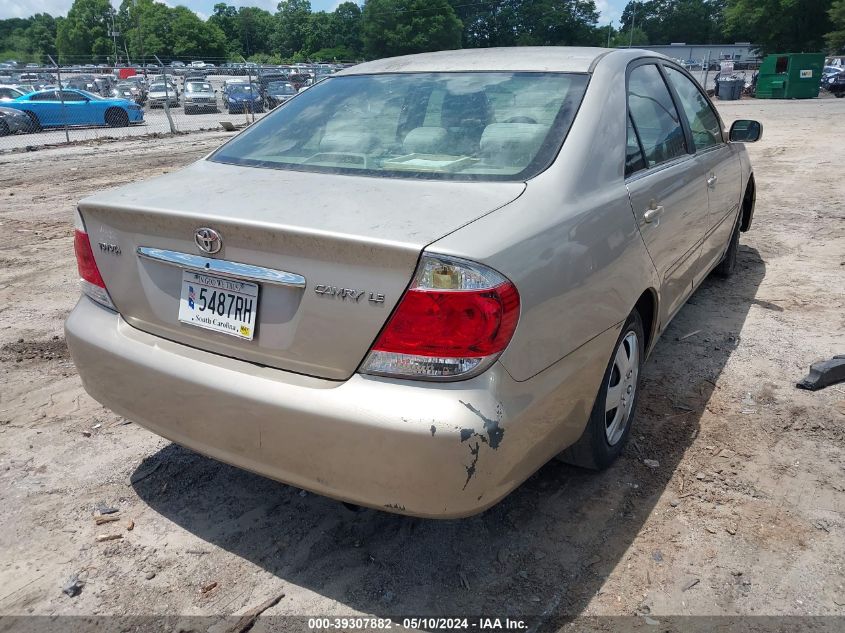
49	108
243	98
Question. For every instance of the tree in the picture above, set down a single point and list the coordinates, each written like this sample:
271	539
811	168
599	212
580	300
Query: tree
667	21
347	23
783	26
401	27
41	36
84	33
836	38
292	26
193	38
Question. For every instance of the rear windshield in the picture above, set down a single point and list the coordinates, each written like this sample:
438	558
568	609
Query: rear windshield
464	126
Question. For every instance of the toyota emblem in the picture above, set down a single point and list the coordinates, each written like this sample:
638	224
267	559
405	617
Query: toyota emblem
208	240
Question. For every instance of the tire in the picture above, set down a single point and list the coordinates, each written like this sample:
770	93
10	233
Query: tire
839	95
117	118
609	426
4	129
727	266
34	122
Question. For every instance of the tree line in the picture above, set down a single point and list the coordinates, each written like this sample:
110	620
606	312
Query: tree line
93	31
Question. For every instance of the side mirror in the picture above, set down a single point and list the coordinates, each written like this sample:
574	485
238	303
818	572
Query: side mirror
746	131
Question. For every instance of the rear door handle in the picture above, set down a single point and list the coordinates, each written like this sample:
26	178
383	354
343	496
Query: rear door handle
711	182
653	214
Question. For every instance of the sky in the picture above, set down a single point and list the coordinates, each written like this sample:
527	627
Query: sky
610	9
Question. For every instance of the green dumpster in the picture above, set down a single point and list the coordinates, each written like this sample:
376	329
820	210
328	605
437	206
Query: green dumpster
790	76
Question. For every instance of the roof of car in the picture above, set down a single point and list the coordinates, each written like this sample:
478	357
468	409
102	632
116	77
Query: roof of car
525	58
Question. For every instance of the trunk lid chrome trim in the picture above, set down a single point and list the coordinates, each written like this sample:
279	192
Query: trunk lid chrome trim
223	267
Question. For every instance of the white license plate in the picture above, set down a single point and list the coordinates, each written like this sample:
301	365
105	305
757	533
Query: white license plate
224	305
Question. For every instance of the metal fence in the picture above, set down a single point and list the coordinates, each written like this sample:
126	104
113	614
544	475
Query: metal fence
72	104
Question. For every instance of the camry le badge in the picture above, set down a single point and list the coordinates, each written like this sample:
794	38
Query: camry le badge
208	240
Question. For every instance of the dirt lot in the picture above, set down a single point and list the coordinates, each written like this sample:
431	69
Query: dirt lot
745	514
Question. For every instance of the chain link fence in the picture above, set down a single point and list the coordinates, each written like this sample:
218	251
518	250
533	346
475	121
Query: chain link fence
52	105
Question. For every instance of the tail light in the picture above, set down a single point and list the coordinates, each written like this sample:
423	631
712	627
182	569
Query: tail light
453	322
90	279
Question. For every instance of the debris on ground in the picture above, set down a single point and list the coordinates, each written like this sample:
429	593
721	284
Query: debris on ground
691	583
247	620
100	538
824	374
103	509
73	586
651	463
208	586
99	519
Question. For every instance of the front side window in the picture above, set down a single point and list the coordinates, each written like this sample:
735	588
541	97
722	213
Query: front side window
470	126
654	116
704	124
50	95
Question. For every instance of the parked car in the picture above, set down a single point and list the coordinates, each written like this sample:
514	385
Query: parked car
129	90
241	98
422	278
161	93
277	92
56	108
12	121
836	85
198	96
8	93
828	73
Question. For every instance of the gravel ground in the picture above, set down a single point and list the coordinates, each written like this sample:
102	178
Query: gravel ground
743	515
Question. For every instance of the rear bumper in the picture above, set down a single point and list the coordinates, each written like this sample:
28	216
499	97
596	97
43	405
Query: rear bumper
425	449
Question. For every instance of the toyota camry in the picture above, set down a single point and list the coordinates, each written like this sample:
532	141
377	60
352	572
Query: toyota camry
422	278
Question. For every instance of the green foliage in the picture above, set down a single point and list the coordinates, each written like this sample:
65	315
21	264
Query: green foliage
667	21
401	27
836	38
529	22
336	54
84	34
294	17
625	38
780	26
395	27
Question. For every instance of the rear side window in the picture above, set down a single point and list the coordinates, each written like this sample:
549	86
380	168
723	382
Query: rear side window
704	124
45	96
654	116
634	160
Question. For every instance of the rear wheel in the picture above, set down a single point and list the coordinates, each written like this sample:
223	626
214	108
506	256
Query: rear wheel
726	267
117	118
613	412
34	122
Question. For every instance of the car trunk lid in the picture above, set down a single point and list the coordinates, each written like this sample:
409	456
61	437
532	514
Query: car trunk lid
355	240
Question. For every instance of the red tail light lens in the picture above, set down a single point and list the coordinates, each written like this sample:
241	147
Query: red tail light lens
90	279
454	321
85	263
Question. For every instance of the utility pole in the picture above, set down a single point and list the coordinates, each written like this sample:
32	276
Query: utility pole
114	35
609	31
61	96
633	21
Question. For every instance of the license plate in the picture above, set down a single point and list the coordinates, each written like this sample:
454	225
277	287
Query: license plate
224	305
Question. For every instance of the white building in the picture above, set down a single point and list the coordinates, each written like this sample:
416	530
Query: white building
700	53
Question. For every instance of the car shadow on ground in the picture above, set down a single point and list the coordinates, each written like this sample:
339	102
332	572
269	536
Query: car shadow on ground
545	550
